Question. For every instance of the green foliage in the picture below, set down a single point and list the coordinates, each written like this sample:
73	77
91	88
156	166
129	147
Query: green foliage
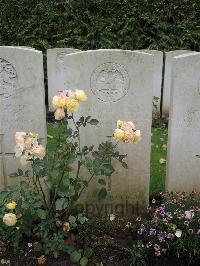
158	151
51	217
94	24
171	227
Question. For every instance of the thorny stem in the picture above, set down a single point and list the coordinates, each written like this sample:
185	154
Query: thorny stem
79	146
56	191
35	180
85	186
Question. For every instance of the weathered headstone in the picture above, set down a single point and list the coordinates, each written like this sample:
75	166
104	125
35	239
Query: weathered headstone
167	79
55	71
22	105
183	166
119	85
158	67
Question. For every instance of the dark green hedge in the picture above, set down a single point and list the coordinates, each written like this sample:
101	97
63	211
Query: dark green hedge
93	24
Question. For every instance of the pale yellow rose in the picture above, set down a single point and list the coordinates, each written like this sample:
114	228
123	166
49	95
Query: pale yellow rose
11	205
137	136
80	95
59	114
59	102
10	219
66	226
118	134
119	123
128	136
39	152
72	105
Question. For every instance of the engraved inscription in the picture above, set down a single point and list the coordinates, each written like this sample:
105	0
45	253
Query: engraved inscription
60	61
60	70
8	77
110	82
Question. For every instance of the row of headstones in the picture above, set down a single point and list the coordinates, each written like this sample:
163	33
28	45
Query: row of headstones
162	76
119	85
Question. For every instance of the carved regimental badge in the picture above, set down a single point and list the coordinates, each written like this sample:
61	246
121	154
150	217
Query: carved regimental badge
110	82
8	78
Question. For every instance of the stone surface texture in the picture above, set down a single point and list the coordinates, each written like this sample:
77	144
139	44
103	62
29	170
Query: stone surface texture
119	85
183	167
168	79
55	71
158	68
22	102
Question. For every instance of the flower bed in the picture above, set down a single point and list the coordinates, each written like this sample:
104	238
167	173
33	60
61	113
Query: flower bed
166	234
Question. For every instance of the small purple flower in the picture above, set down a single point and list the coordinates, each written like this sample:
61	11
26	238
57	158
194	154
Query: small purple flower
152	232
161	238
156	247
198	232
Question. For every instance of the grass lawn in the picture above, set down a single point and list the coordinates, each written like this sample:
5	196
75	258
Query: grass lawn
158	151
158	171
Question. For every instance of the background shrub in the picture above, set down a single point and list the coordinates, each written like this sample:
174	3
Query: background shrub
93	24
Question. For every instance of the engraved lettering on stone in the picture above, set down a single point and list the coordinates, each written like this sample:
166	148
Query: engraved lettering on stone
8	78
110	82
60	61
60	69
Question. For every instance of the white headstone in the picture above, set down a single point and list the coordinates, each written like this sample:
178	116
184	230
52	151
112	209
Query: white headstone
183	166
55	71
167	79
158	68
22	102
119	85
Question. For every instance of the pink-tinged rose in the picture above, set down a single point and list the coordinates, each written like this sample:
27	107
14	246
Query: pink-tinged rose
19	140
128	126
66	93
28	143
39	152
59	114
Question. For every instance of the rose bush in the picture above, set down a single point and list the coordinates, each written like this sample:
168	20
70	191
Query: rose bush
43	205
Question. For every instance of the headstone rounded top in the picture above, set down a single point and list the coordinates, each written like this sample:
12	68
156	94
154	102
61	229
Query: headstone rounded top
110	82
